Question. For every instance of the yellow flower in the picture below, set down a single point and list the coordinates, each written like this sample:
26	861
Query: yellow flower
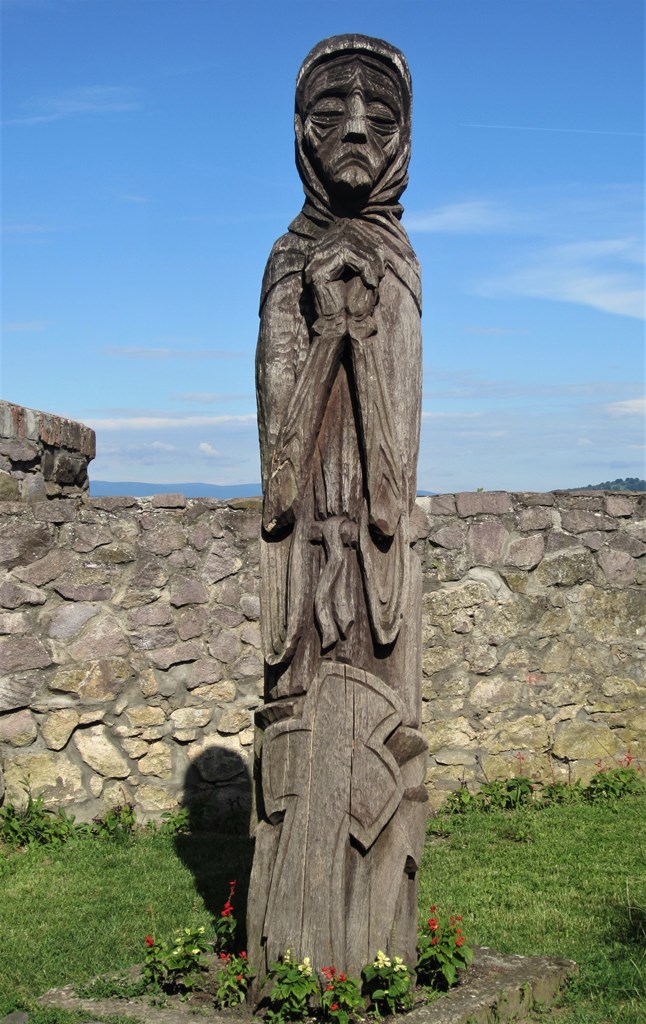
306	967
195	951
381	960
399	964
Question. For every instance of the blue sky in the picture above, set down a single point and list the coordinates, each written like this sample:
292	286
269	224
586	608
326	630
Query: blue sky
148	167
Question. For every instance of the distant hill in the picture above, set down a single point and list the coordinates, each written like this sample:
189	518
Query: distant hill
629	483
132	489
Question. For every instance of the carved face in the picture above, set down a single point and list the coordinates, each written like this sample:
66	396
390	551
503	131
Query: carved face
353	117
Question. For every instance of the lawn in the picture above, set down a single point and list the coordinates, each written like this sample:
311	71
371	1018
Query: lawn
567	881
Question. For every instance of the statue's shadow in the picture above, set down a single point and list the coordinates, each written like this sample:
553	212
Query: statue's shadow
217	849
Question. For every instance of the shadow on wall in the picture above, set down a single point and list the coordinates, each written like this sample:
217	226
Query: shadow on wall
218	848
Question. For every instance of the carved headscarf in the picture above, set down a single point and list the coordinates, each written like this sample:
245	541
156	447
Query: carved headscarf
382	210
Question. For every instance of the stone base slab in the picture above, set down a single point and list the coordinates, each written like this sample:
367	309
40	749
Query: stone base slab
498	987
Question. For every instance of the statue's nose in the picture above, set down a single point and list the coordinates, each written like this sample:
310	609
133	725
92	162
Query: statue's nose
354	126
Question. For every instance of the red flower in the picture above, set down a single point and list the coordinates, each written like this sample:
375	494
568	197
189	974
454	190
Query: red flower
432	923
239	977
226	957
328	988
434	941
150	941
342	977
243	955
328	972
334	1006
433	909
460	940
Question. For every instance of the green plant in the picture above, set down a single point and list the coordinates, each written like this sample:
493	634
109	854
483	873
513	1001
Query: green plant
341	998
176	823
225	925
461	801
611	784
507	794
388	985
175	968
233	980
443	951
36	825
560	793
294	984
117	824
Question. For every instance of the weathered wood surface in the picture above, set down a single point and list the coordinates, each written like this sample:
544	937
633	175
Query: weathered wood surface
340	759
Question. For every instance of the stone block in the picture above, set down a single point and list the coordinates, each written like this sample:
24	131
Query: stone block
473	503
23	653
496	693
152	798
68	619
226	646
480	656
439	504
9	487
157	614
192	622
450	536
234	721
580	521
223	692
220	563
18	729
84	591
102	681
178	654
525	552
158	761
23	543
618	566
565	568
187	590
46	569
102	639
142	715
100	753
14	595
250	604
58	727
583	740
456	732
14	623
51	775
204	670
527	732
168	501
191	717
620	505
537	518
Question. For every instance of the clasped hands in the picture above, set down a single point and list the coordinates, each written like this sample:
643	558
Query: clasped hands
344	274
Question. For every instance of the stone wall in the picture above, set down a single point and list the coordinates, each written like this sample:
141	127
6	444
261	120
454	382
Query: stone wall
42	456
130	643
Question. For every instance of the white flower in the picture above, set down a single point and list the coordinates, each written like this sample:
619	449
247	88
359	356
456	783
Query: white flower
399	965
195	952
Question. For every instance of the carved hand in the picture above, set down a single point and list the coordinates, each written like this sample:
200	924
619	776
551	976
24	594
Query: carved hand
344	274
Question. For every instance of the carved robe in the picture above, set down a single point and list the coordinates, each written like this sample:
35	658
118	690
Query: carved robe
340	795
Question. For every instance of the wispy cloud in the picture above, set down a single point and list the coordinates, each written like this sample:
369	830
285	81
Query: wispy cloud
568	131
602	273
209	397
90	99
24	325
450	415
628	407
462	217
166	422
140	352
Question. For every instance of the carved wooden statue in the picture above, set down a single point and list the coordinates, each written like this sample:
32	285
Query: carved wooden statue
340	759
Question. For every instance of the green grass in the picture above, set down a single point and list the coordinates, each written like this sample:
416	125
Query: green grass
568	881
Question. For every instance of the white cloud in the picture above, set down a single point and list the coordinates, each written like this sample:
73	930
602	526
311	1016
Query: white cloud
166	352
466	216
166	422
209	397
91	99
628	407
24	325
601	273
208	449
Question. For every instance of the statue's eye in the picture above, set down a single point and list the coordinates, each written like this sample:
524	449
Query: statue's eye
382	118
